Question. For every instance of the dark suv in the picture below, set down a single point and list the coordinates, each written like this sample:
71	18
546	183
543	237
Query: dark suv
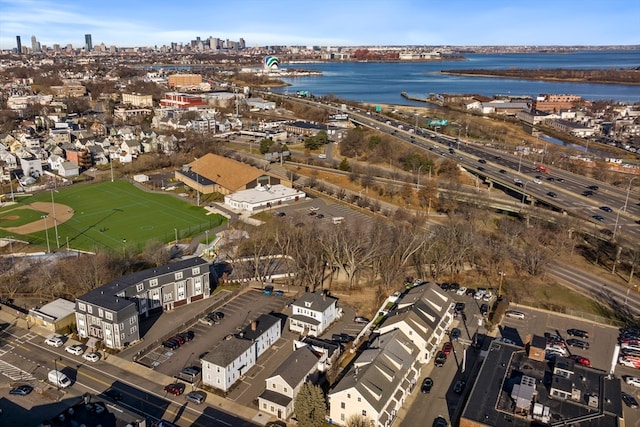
440	359
484	309
578	333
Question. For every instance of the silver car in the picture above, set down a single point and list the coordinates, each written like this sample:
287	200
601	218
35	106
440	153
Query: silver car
514	314
197	397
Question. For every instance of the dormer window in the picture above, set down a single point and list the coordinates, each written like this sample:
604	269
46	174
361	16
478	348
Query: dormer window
307	304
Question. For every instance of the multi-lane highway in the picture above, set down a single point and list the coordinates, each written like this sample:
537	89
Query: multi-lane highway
613	212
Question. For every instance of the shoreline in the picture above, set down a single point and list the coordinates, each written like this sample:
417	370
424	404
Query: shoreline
540	78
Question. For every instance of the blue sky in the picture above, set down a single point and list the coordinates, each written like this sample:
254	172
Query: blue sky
323	22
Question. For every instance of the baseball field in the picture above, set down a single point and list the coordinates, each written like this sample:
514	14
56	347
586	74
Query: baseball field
105	215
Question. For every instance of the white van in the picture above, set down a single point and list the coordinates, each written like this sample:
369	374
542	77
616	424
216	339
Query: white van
58	379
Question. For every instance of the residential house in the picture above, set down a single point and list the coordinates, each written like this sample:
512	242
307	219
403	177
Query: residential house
313	313
233	357
282	387
68	169
423	314
378	382
30	165
110	312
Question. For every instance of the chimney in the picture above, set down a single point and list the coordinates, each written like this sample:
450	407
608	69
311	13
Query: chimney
254	325
324	296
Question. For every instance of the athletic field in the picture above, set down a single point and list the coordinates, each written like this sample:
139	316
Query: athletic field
114	215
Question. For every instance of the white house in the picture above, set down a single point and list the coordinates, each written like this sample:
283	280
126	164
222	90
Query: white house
423	314
378	382
282	387
263	332
227	363
313	313
232	358
68	169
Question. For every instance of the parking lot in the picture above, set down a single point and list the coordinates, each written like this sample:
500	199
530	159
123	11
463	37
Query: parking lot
302	212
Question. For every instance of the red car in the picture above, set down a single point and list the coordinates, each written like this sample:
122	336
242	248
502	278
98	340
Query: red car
447	347
580	360
176	389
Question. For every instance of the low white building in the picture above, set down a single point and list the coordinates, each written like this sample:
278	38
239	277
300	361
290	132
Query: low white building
263	197
282	387
227	363
233	357
313	313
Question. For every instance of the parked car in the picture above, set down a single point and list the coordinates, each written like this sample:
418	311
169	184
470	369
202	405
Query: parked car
440	359
91	357
187	335
175	388
196	397
578	343
268	290
484	309
514	314
629	400
634	381
21	390
427	384
440	422
561	351
447	347
74	349
459	307
54	342
342	338
170	344
580	360
455	334
578	333
459	386
461	291
206	320
360	319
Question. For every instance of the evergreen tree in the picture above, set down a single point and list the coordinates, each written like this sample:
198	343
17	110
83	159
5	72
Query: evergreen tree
310	406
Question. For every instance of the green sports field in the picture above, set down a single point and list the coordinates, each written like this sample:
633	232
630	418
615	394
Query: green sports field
110	214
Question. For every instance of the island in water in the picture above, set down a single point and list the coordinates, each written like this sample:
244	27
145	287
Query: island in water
627	76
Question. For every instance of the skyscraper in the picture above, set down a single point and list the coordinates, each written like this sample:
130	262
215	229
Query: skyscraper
35	47
19	44
87	42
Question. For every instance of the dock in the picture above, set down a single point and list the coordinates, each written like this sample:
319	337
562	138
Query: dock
405	95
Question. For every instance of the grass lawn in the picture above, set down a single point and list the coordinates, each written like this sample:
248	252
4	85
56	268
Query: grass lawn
17	217
118	214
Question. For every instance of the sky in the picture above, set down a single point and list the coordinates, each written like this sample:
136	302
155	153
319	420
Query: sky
127	23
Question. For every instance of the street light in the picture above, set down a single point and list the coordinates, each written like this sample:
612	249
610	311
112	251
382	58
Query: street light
197	184
46	232
615	227
626	200
55	221
206	233
176	231
502	274
418	182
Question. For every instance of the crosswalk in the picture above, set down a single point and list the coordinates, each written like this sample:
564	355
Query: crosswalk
14	373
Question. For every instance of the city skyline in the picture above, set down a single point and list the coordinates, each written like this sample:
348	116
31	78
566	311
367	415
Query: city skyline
327	23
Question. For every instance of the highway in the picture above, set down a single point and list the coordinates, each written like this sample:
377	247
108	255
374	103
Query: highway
559	190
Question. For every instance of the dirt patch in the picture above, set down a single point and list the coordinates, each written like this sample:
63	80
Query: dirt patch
62	214
11	218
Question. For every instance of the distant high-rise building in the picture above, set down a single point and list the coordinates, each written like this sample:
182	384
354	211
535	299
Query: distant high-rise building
19	44
242	44
35	46
87	42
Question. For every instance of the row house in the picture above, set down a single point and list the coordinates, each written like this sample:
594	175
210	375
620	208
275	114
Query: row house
313	313
230	360
424	315
111	312
378	382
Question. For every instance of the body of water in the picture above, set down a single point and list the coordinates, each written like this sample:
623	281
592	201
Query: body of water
382	82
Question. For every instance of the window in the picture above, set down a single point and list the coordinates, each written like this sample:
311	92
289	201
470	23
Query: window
132	321
195	271
82	306
108	315
342	405
153	282
133	330
140	287
341	417
100	312
273	386
264	405
348	395
178	275
90	309
364	413
359	399
181	290
285	390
